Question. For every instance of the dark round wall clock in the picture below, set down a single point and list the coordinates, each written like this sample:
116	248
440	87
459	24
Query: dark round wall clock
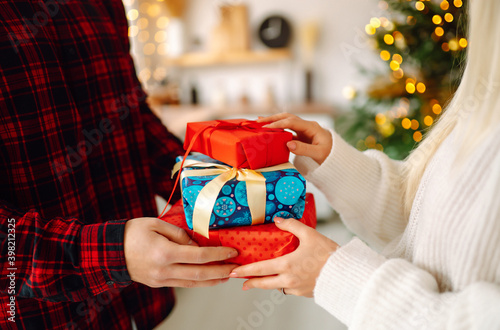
275	32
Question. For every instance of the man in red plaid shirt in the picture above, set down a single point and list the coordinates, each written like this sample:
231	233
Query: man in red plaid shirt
81	153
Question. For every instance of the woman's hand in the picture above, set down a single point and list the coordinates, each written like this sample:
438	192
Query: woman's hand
312	140
159	254
296	272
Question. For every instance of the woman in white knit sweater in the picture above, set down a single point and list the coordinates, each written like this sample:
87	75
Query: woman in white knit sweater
431	223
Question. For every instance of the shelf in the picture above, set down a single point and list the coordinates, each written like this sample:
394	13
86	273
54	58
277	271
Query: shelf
229	58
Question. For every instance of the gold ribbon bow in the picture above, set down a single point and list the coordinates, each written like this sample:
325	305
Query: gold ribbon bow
255	185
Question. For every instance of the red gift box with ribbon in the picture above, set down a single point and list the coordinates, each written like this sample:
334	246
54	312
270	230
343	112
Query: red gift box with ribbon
254	243
238	142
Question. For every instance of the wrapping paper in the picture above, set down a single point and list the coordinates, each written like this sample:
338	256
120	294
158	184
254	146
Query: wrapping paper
283	194
254	243
238	142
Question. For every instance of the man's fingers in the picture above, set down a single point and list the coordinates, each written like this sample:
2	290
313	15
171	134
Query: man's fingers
261	268
173	233
198	272
174	283
186	254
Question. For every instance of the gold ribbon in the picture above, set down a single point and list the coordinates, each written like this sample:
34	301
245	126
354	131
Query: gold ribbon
255	185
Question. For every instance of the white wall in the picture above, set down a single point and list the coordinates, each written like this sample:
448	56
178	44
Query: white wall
341	43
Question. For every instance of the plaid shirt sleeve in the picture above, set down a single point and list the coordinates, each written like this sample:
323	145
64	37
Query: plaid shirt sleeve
163	148
60	259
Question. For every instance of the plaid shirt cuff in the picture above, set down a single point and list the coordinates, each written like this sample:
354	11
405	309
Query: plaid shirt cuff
102	256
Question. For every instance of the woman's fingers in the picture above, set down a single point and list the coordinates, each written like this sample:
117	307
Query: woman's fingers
266	283
304	149
272	118
261	268
295	227
296	124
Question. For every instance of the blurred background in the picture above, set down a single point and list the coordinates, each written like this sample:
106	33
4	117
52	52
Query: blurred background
379	72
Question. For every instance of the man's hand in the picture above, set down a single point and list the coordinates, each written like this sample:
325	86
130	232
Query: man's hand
312	140
159	254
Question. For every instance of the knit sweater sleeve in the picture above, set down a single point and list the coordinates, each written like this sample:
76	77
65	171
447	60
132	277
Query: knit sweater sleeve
366	290
365	188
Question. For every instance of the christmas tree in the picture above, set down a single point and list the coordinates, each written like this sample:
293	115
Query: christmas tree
423	46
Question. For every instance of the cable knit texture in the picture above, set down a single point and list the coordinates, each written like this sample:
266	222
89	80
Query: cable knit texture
439	269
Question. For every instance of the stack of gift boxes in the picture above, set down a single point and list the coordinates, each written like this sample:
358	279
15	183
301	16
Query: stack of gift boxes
237	183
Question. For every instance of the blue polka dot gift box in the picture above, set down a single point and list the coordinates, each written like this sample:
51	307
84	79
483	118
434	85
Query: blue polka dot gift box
216	195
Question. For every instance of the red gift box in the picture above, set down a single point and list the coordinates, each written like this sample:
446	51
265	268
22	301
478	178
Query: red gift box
238	142
254	243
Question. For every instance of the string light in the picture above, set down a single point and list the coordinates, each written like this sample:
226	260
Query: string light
162	22
398	36
448	17
349	92
410	88
375	22
132	14
414	124
445	5
385	55
380	119
386	129
388	39
132	31
370	141
463	42
144	75
142	23
398	58
410	20
428	120
421	88
445	47
436	108
160	36
439	31
419	5
406	123
458	3
436	19
417	136
389	26
369	29
383	5
398	74
149	48
453	44
153	10
394	66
